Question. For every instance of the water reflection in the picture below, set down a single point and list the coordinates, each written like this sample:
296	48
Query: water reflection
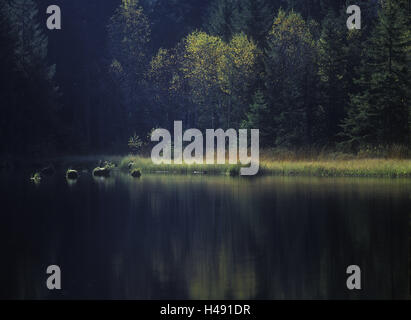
200	237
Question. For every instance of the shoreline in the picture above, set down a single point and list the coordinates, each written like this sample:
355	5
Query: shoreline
369	167
372	168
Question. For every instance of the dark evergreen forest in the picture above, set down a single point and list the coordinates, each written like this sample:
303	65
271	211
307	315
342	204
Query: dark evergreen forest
117	69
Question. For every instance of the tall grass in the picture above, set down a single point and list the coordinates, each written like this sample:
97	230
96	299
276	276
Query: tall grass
355	167
147	166
339	168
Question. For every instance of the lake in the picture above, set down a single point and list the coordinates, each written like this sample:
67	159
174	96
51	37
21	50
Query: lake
204	237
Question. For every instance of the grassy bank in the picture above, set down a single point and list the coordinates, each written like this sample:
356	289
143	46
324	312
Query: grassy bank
384	168
147	166
340	168
323	166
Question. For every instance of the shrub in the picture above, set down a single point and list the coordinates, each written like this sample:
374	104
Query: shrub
135	143
233	171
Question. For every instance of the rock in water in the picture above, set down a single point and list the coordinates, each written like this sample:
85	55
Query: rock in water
136	173
36	178
101	172
72	174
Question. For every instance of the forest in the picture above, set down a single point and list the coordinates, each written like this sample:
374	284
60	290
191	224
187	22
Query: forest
119	69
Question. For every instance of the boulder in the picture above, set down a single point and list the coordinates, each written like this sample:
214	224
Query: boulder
136	173
36	177
72	174
101	172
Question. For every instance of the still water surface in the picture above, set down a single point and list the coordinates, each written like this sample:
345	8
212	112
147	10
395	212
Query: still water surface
202	237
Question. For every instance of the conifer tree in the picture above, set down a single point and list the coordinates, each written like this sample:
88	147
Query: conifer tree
252	17
334	73
221	19
290	79
31	43
129	36
32	108
255	18
7	67
258	117
379	112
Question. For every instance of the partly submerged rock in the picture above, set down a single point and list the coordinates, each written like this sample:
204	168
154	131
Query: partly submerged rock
101	172
72	174
136	173
36	177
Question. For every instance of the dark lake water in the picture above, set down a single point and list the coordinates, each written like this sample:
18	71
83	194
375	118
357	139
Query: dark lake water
202	237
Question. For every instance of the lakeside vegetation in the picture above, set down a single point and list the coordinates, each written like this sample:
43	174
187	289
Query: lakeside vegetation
337	168
321	167
381	163
290	68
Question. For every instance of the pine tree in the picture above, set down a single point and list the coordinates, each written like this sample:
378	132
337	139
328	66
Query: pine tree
171	20
333	64
8	44
252	17
221	17
255	19
7	68
34	94
258	117
379	112
318	9
290	79
32	44
129	36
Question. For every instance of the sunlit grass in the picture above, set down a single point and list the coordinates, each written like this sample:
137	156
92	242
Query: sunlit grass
339	168
321	168
146	165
